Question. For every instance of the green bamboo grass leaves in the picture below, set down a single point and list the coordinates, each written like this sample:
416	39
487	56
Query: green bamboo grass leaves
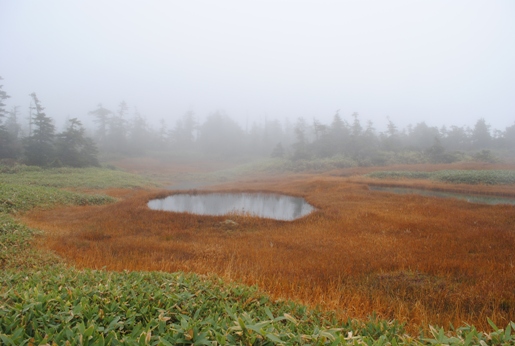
60	306
103	308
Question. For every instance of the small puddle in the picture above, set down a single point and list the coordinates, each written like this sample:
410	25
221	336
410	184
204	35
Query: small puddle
472	198
265	205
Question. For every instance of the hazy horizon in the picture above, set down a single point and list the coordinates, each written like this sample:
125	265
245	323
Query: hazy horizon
445	63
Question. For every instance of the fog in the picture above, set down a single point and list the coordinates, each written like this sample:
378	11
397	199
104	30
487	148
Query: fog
442	62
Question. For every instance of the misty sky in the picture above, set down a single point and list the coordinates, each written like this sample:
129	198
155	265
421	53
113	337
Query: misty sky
439	61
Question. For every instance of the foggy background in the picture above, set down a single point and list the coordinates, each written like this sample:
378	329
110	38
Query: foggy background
442	62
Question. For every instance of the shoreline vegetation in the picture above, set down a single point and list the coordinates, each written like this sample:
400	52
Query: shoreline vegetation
53	221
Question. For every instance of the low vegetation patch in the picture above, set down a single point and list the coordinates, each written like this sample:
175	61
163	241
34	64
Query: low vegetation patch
487	177
16	250
109	308
78	178
15	198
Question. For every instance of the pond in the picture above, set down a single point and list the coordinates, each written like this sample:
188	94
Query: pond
265	205
472	198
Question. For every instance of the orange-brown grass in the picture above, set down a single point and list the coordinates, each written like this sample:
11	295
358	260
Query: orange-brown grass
416	259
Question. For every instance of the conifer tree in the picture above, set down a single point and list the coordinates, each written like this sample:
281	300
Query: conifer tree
39	146
6	140
3	97
101	115
74	149
481	137
116	140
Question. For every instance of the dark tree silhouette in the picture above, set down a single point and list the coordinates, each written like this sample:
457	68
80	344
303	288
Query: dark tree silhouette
221	136
10	144
39	147
73	148
300	147
391	139
116	140
140	135
162	140
278	151
339	135
183	134
101	115
509	136
7	140
3	97
456	139
481	137
422	136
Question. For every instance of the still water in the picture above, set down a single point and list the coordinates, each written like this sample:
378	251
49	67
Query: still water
265	205
481	199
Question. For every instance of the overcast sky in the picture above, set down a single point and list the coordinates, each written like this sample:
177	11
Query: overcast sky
443	62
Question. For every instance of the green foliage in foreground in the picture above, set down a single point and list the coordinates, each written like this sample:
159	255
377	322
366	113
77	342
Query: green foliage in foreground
99	308
489	177
82	178
59	305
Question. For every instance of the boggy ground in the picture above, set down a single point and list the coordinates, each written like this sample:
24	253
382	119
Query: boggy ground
416	259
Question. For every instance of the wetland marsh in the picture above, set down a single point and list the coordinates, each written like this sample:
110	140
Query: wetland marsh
416	260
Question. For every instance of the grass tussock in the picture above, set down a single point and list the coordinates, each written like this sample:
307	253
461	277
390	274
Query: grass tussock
421	261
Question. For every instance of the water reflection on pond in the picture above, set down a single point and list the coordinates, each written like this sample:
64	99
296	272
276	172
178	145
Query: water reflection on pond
472	198
265	205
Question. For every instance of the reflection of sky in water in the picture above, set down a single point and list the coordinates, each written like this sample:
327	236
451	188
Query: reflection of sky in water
481	199
266	205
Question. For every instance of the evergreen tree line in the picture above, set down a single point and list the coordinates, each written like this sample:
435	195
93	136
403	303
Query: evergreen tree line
42	146
221	136
117	133
415	144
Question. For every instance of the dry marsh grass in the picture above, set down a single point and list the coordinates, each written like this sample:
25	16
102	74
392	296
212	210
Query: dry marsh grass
416	259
